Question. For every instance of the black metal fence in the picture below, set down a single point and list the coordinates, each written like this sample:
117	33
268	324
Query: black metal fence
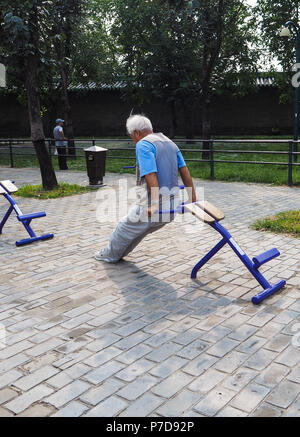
24	147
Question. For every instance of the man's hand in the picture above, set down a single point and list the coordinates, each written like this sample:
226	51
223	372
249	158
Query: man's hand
151	210
188	183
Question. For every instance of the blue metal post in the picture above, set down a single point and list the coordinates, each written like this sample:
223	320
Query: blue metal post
5	218
207	257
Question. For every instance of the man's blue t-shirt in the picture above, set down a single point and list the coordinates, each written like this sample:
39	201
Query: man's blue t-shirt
146	158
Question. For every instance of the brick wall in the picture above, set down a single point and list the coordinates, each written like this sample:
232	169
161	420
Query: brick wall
103	113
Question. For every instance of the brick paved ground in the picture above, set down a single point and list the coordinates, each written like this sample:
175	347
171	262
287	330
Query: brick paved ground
141	338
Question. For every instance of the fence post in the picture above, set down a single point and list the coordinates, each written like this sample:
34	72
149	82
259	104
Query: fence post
11	154
211	158
290	164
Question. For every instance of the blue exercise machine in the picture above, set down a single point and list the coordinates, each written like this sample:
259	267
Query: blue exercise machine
6	189
211	215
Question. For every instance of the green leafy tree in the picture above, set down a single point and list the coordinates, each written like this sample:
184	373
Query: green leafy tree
22	45
183	51
279	52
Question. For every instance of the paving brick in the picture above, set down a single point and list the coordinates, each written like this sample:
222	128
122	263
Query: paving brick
78	311
173	384
37	410
98	394
9	377
60	380
102	357
292	411
286	317
77	370
25	400
216	334
103	372
134	370
12	362
229	411
222	347
272	375
200	364
71	359
143	406
134	354
6	394
231	362
243	332
136	388
168	366
250	397
278	343
67	393
187	337
207	381
284	394
261	319
193	349
108	408
132	340
289	357
179	404
73	409
35	378
160	338
261	359
251	345
102	343
131	328
44	347
5	413
214	401
163	352
266	410
15	349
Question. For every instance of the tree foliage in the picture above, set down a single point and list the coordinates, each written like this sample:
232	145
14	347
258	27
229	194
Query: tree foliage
182	50
279	51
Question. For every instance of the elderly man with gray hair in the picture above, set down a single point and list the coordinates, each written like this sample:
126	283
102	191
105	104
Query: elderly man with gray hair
158	162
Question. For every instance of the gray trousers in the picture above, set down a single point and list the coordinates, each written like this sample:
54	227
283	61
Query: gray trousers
130	232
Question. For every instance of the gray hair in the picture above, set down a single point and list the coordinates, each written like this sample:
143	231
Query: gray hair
138	122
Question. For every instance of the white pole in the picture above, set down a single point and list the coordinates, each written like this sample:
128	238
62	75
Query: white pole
2	76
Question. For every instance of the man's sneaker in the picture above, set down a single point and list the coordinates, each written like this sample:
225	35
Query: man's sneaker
100	257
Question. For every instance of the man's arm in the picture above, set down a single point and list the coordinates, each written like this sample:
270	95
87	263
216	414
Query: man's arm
61	133
188	183
153	187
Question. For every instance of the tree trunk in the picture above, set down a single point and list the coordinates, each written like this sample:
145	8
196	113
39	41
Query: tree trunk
49	180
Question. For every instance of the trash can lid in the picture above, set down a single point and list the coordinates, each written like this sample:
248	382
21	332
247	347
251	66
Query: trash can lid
95	149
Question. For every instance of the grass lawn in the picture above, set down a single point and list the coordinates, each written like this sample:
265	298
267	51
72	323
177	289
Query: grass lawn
287	222
117	159
63	190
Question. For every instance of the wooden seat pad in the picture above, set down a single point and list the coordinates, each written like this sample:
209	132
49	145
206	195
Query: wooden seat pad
9	186
199	213
212	210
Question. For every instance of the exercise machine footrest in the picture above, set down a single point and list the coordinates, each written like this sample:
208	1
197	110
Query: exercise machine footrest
265	257
32	239
268	292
